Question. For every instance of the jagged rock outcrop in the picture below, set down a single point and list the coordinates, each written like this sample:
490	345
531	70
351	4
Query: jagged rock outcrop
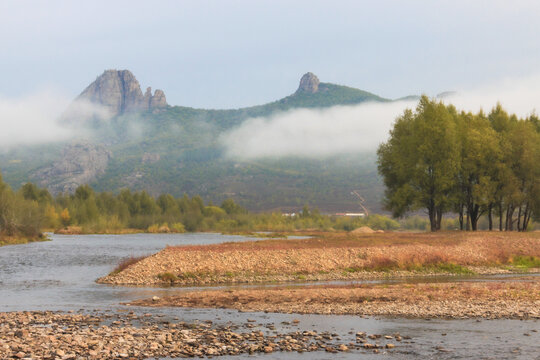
158	100
80	163
309	83
120	92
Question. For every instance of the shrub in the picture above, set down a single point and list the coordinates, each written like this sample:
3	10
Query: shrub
178	228
167	277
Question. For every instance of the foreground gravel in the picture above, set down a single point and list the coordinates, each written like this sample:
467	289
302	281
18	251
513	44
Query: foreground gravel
56	335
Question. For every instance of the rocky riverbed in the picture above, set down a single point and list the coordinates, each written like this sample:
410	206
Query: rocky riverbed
516	299
60	335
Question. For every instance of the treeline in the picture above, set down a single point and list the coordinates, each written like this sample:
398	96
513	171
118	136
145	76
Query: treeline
19	218
30	210
473	165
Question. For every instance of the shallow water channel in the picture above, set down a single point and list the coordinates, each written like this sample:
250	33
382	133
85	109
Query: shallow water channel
60	275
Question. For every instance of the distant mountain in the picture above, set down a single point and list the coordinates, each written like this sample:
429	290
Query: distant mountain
150	145
119	92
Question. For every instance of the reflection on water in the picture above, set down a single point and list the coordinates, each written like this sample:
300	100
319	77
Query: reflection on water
60	275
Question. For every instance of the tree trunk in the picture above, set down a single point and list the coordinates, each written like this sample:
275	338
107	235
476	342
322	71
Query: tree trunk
474	216
461	218
509	216
500	216
526	217
432	221
490	217
439	218
519	220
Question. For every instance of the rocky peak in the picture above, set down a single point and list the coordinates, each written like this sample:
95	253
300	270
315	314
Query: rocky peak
120	92
158	100
309	83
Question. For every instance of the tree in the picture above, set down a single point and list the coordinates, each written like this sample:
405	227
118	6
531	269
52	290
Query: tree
525	155
480	154
420	161
65	218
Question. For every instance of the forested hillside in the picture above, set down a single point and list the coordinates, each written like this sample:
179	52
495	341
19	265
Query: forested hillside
176	150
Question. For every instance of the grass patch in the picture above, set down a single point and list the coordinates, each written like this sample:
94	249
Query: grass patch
448	268
187	275
168	277
124	264
17	240
526	262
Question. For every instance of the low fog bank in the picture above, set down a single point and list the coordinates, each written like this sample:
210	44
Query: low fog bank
49	116
44	117
316	133
517	95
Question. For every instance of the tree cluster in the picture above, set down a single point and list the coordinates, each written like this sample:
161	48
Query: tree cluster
444	160
19	217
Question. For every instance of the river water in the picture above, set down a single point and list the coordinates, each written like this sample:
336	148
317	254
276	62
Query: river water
60	275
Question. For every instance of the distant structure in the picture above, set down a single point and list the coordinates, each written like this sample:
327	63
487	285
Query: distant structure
362	201
351	214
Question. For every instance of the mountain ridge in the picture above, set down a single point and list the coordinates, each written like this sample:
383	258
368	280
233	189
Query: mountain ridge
175	149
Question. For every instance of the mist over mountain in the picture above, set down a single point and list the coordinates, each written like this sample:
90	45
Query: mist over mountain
137	140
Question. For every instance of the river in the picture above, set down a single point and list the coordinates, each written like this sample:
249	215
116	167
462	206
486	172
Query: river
60	275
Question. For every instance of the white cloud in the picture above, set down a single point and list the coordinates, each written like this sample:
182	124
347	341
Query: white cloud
360	128
314	132
517	95
36	118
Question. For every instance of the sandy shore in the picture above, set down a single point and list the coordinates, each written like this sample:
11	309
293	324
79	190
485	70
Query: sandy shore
518	299
342	256
52	335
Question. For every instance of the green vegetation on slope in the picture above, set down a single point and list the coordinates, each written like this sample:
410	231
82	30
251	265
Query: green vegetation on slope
191	159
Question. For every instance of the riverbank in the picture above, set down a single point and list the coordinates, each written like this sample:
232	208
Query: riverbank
50	335
336	256
516	299
17	240
77	230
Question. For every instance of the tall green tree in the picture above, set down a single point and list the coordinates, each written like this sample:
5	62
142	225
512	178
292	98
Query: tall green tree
525	155
420	161
480	154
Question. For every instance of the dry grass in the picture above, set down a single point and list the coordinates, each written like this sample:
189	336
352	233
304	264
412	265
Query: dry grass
338	240
333	254
124	264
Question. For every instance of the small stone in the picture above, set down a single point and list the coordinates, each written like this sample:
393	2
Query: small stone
390	346
155	298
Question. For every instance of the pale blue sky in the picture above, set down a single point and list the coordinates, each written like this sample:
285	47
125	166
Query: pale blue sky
223	54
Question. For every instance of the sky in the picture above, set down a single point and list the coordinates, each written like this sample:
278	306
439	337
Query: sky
229	54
